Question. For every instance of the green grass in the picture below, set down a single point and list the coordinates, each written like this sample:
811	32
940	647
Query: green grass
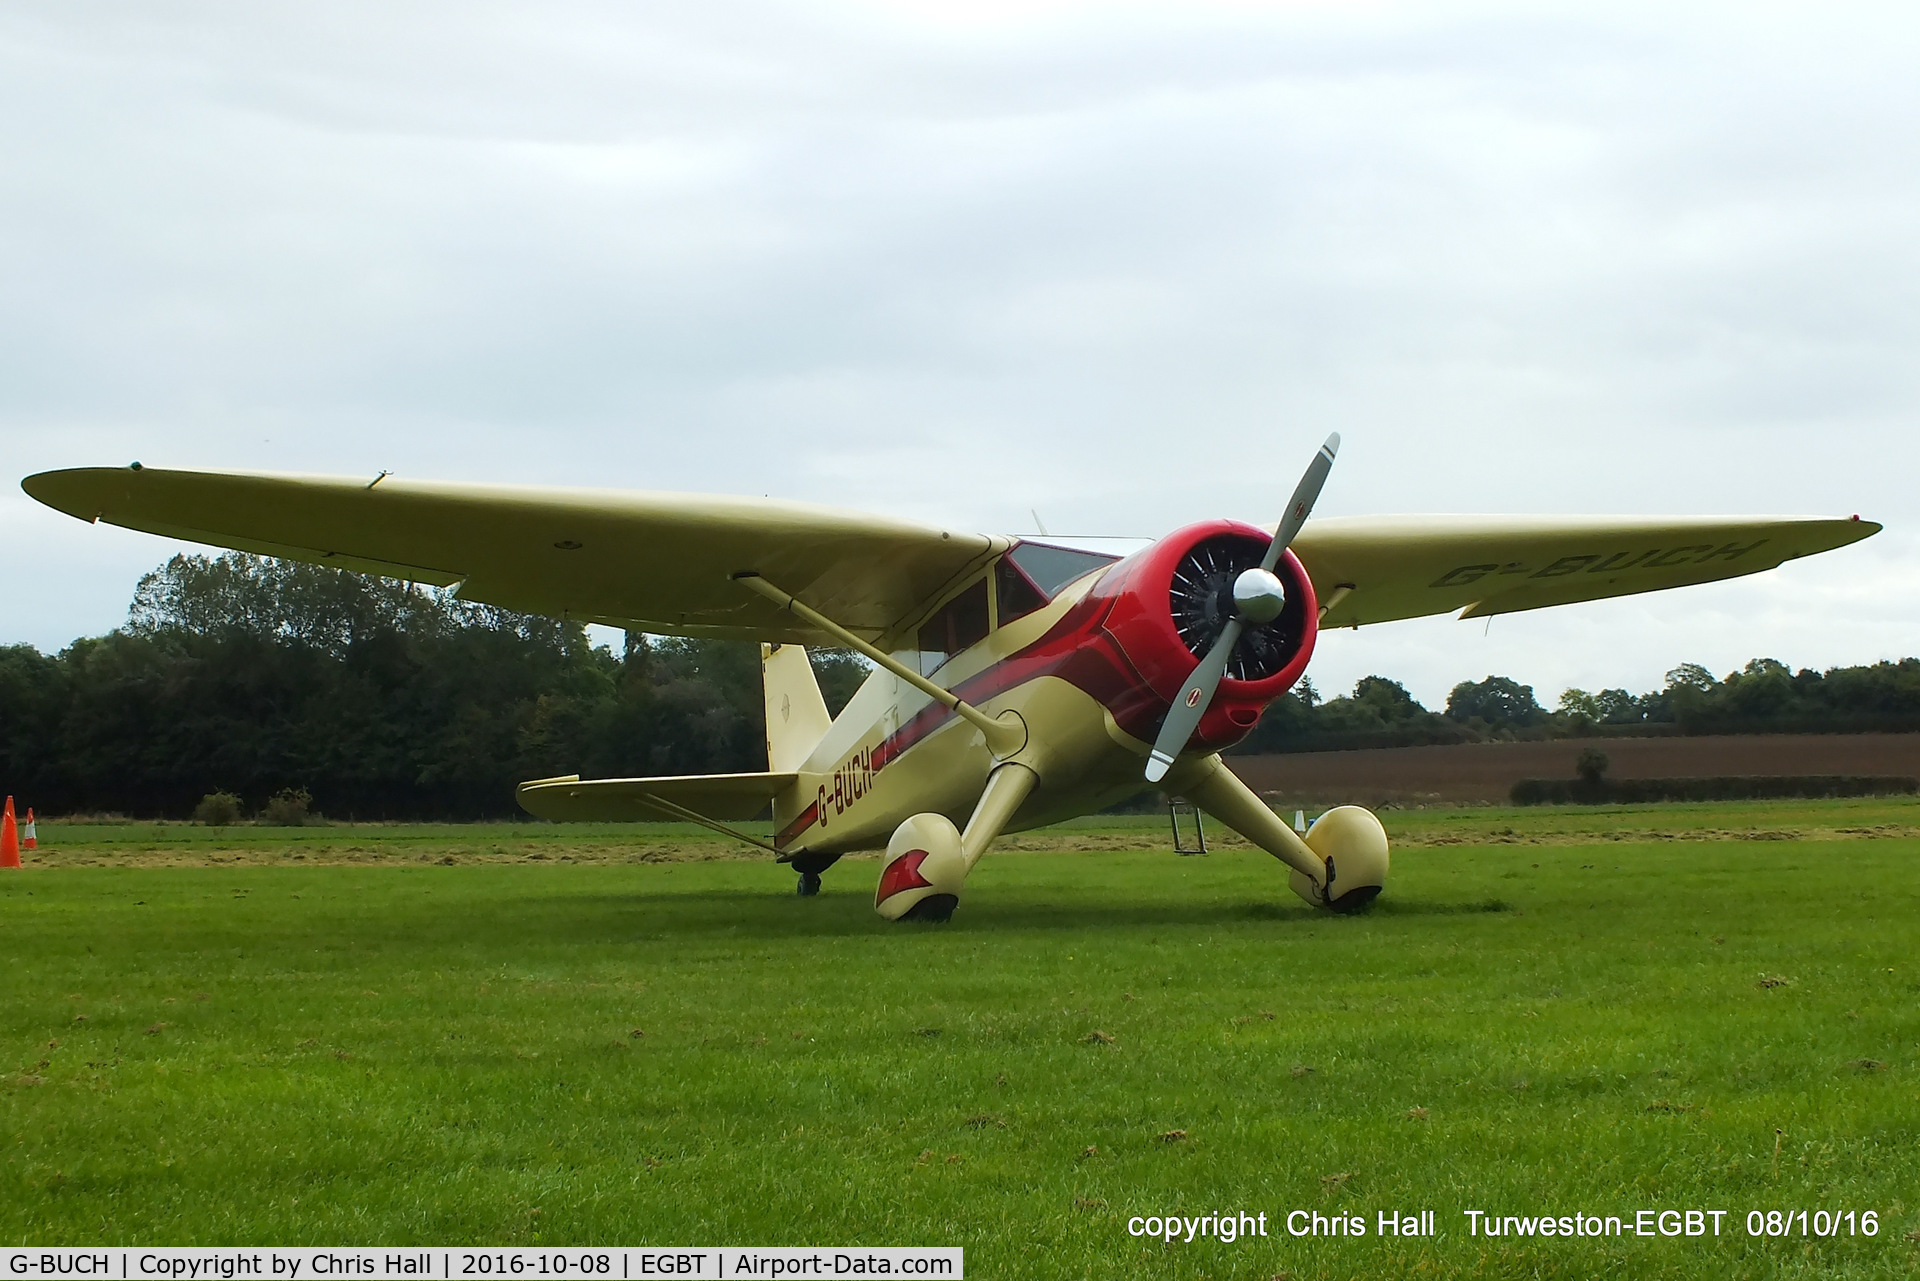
1550	1011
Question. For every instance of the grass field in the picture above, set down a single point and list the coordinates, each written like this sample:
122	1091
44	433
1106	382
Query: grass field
520	1035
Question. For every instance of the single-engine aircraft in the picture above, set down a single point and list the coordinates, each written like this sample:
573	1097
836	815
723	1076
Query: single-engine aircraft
1016	682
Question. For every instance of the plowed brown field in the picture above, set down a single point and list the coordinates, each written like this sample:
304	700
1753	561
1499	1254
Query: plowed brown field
1486	771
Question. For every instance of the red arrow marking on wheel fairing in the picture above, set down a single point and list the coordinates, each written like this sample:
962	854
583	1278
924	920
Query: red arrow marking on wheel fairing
902	874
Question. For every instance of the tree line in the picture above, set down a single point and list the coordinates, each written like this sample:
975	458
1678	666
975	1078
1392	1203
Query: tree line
1763	697
381	699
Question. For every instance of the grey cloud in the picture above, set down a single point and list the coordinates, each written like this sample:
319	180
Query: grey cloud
1125	266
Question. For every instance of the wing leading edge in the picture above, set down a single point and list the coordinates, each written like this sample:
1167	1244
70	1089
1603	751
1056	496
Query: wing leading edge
1377	569
650	562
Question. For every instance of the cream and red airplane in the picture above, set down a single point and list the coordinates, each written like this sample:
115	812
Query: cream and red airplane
1016	683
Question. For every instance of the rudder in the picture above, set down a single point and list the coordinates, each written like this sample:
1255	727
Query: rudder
796	714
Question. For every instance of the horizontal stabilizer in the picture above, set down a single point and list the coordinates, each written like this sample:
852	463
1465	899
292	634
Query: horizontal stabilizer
724	797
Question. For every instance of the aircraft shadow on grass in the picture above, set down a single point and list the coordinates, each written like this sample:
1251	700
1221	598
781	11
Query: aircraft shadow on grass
540	923
639	917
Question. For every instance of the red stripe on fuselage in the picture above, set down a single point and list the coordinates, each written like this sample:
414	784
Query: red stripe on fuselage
807	819
1082	649
1079	651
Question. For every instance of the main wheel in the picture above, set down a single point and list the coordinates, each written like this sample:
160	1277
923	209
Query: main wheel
809	885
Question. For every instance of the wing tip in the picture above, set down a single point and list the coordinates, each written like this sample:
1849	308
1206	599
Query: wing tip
74	491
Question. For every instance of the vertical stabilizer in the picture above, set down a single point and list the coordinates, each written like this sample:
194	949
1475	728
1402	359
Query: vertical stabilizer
796	714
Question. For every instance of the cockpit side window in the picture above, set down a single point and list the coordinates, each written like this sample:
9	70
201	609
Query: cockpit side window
962	622
1051	568
1018	596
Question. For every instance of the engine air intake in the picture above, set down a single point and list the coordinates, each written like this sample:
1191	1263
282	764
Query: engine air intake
1201	601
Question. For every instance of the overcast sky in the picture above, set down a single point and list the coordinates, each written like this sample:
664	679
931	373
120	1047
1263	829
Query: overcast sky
1124	266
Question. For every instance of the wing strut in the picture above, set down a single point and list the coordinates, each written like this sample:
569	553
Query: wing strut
1005	735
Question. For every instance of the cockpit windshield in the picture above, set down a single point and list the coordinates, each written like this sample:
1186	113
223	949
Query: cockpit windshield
1051	568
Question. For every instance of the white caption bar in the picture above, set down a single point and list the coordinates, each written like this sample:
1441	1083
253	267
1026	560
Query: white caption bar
690	1263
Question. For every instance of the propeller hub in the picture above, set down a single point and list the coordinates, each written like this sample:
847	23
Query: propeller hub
1258	595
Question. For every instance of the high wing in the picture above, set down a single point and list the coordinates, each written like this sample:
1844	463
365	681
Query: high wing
649	562
730	797
1370	569
664	563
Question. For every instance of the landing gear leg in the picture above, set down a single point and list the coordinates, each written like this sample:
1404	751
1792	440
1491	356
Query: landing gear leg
928	859
809	885
1341	864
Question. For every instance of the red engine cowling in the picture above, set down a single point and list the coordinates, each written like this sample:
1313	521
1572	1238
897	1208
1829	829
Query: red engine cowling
1166	605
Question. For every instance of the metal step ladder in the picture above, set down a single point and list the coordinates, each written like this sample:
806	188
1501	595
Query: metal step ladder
1176	806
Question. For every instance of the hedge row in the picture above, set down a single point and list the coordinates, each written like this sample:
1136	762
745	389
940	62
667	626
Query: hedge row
1577	791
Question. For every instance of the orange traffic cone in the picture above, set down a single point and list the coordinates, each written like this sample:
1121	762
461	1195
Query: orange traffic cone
29	837
9	838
